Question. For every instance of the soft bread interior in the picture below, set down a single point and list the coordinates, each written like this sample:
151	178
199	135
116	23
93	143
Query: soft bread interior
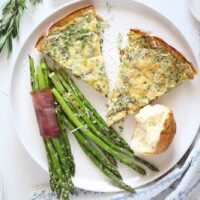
150	124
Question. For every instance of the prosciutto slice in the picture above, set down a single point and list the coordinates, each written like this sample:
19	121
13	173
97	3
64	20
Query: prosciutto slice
45	112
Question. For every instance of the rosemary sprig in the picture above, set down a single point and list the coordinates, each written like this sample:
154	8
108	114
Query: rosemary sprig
9	21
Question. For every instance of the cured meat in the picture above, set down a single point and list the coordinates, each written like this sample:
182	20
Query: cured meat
45	112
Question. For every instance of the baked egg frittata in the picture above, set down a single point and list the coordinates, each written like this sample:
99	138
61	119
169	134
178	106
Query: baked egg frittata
75	43
149	68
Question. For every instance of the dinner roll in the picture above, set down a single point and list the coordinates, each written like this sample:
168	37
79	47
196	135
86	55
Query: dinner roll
155	130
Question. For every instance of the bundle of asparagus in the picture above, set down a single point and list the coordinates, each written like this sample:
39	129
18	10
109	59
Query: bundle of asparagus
60	159
102	144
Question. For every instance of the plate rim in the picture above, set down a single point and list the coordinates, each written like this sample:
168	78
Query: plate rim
65	5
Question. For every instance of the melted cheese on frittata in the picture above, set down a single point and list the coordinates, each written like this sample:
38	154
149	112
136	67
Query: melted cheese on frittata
76	44
147	71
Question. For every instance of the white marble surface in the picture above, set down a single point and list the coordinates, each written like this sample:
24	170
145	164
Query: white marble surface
18	171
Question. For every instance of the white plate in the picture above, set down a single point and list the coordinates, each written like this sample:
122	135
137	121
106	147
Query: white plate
194	6
184	100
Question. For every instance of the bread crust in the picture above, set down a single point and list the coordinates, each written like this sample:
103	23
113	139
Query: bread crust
63	20
166	135
168	47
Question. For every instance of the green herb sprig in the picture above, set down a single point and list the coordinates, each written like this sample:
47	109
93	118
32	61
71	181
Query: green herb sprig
9	21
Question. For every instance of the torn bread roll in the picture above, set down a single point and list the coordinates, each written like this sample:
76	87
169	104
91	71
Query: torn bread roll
155	130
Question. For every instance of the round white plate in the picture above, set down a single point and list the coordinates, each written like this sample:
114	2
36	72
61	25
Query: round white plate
184	100
194	6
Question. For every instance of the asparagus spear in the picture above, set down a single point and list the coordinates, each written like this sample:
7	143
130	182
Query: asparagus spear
108	131
54	180
32	72
45	70
64	163
80	106
89	145
41	80
64	140
97	158
72	117
65	95
59	170
36	85
109	157
51	170
114	178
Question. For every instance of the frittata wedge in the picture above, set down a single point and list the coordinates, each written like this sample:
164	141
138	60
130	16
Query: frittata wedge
149	68
75	42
